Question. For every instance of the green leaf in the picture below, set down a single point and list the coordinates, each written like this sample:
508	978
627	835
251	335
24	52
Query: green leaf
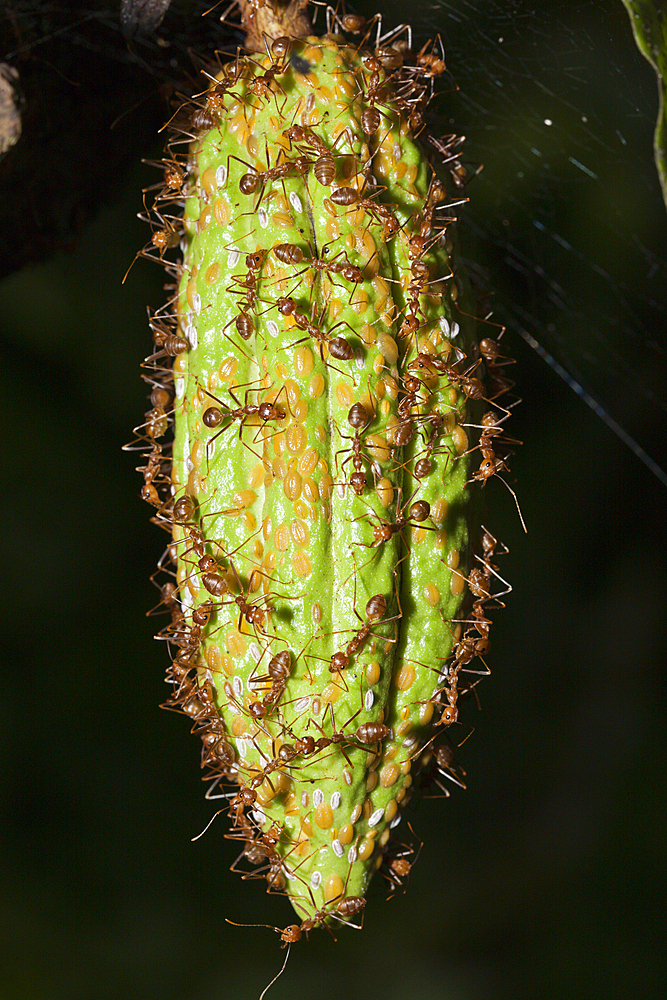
649	25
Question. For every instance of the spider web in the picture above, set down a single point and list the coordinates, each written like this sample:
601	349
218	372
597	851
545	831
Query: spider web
566	222
566	229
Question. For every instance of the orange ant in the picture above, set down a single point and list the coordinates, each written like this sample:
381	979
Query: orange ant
419	511
290	253
346	909
381	213
375	608
165	238
339	347
411	397
250	182
218	586
472	388
443	757
353	24
371	118
430	65
396	868
360	420
171	187
248	287
324	167
214	416
278	672
262	86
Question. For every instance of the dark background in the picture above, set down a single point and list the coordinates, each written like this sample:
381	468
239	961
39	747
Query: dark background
546	877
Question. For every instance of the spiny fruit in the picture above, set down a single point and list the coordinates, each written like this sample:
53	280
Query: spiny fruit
328	580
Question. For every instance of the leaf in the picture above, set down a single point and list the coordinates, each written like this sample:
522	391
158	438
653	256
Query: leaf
649	25
142	17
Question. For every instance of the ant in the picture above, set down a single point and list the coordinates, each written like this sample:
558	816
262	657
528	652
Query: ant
280	761
339	347
165	337
436	193
419	279
262	86
278	672
370	118
358	418
324	167
155	470
392	51
171	187
344	911
444	763
250	182
428	63
248	286
213	416
345	196
347	909
165	238
412	387
290	253
306	745
472	388
218	586
353	24
419	511
221	85
490	465
398	867
375	608
498	384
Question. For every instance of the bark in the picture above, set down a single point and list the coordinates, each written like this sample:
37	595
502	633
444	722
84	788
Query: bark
273	18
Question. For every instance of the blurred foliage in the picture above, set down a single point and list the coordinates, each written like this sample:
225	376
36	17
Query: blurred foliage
649	25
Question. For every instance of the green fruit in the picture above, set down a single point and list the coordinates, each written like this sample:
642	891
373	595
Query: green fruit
327	407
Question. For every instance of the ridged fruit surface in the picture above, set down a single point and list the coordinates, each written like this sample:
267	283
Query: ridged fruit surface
330	580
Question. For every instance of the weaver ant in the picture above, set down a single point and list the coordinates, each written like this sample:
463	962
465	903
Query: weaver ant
419	511
218	586
360	420
250	182
347	196
396	868
472	388
164	238
324	167
248	287
261	847
344	911
214	416
290	253
278	672
353	24
375	608
171	187
339	347
371	118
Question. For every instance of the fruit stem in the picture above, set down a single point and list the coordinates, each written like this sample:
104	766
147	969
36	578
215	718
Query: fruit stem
273	18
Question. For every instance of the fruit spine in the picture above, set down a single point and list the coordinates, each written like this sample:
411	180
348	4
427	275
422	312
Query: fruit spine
328	582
